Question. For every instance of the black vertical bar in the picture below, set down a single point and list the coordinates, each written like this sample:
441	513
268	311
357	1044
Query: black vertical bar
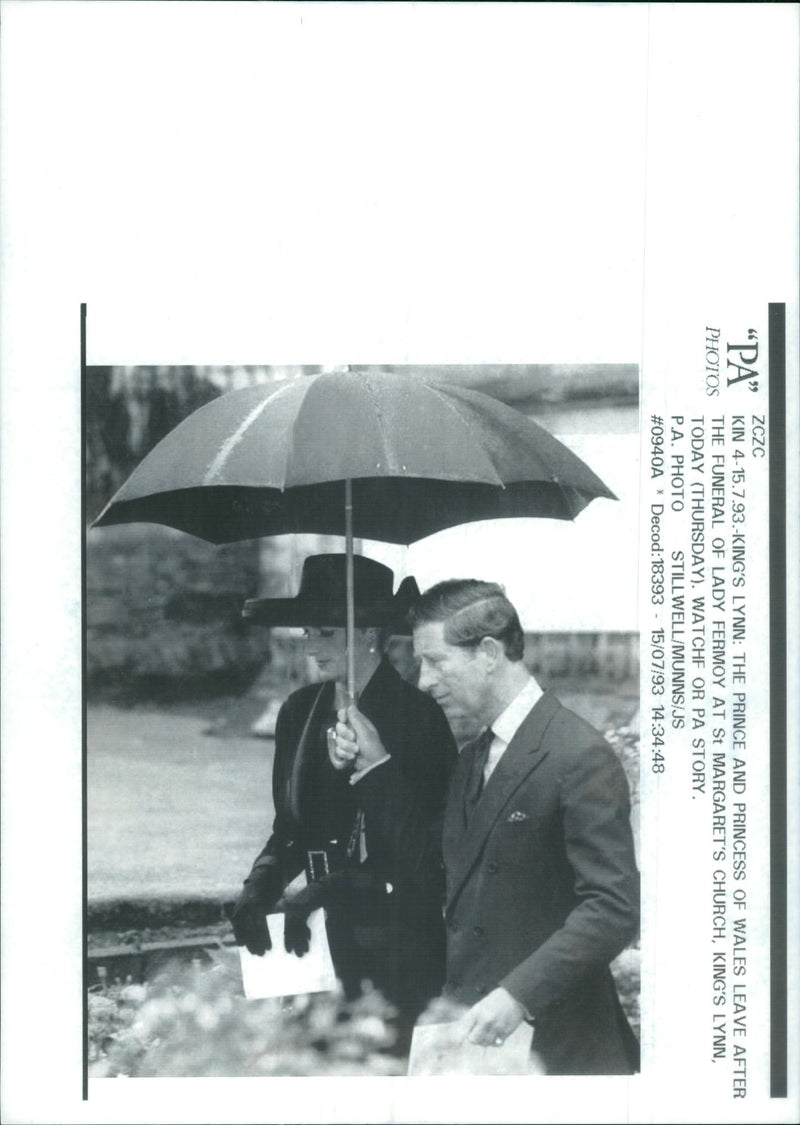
84	850
777	701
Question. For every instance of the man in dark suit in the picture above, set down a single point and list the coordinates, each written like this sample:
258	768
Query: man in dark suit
542	886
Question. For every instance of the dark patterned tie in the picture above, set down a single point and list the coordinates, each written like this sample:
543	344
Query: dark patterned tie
481	754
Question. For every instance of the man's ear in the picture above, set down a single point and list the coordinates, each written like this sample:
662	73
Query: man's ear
492	650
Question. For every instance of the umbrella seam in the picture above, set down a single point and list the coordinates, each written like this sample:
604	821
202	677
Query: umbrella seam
450	405
542	432
231	442
379	418
310	383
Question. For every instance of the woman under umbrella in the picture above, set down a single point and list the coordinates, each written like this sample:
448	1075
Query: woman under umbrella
362	835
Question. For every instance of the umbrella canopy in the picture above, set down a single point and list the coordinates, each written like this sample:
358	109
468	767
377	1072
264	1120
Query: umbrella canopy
382	456
422	456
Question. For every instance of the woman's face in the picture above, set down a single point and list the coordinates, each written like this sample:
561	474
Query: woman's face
329	650
328	647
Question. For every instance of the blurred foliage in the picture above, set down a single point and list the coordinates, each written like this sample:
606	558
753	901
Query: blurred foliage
163	614
627	977
625	743
194	1022
128	410
163	608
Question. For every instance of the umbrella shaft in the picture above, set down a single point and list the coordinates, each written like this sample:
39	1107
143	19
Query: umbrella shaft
351	615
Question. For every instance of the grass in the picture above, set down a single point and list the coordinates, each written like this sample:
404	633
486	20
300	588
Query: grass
170	810
173	812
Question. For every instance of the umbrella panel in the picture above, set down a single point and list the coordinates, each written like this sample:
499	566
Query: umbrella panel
329	428
393	510
419	458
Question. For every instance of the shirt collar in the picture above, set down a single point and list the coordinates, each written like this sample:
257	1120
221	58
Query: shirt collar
506	725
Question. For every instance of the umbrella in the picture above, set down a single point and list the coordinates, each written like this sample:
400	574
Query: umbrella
380	456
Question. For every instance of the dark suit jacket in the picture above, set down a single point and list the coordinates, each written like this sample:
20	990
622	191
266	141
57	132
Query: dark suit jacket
543	891
395	938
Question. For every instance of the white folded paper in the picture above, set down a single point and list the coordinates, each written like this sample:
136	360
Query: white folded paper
278	973
440	1048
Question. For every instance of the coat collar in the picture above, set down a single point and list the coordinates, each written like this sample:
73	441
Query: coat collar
307	750
382	681
463	843
508	722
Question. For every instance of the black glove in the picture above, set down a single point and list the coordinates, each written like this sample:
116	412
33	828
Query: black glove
261	889
296	934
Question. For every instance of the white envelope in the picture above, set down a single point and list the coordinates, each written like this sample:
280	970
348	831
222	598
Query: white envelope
279	973
440	1048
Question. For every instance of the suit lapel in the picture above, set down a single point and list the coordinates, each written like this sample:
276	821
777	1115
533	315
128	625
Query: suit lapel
464	843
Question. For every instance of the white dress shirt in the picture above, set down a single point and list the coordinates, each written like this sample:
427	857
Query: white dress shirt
506	725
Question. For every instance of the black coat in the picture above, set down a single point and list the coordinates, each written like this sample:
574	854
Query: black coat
543	891
384	917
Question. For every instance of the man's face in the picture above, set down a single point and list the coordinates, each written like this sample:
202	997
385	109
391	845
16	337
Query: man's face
455	676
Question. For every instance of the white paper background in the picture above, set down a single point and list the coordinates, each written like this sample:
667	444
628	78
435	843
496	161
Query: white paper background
235	183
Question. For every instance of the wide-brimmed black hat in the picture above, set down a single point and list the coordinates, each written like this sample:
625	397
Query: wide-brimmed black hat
322	598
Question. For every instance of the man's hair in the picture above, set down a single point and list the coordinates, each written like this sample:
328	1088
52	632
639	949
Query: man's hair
471	610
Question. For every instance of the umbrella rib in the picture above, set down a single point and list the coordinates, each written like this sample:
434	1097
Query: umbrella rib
233	440
463	417
310	383
376	406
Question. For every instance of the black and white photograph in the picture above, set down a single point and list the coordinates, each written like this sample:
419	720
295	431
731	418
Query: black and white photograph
245	699
398	436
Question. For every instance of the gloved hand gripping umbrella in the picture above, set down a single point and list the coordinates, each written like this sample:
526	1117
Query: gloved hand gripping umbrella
381	456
